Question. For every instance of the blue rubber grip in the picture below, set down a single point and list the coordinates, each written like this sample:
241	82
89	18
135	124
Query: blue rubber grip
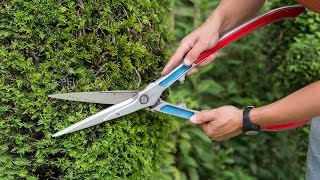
175	111
175	76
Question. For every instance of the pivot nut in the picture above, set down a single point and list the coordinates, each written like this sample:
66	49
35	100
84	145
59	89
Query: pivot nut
144	99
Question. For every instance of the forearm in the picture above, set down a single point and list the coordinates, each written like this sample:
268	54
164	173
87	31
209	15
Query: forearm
231	13
300	105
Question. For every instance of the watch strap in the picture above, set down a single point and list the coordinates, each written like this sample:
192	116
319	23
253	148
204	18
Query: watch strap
248	127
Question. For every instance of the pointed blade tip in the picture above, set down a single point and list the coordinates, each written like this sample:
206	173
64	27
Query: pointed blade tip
59	133
56	134
56	96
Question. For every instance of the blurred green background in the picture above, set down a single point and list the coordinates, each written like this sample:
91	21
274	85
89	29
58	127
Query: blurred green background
258	69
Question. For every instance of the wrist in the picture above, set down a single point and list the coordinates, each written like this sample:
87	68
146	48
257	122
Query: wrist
249	128
217	20
258	116
225	21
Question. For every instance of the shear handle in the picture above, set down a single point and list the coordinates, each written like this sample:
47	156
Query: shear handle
185	113
252	25
232	36
227	39
286	126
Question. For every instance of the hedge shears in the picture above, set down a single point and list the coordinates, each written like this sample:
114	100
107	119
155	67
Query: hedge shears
126	102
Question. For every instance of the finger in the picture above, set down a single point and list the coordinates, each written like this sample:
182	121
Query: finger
203	116
192	71
208	128
204	127
194	53
208	60
184	47
200	46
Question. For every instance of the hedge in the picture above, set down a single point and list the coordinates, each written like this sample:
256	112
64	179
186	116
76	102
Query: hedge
294	53
56	46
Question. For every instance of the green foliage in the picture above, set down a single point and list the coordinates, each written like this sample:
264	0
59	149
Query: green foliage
293	58
67	46
248	72
294	53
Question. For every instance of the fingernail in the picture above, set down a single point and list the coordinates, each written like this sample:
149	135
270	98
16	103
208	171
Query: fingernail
193	119
187	62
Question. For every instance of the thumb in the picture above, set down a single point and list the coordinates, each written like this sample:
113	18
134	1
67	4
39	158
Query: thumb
203	117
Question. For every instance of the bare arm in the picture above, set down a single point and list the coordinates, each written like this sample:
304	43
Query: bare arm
234	13
225	17
226	122
302	104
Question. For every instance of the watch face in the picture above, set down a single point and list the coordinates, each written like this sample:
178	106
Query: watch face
250	133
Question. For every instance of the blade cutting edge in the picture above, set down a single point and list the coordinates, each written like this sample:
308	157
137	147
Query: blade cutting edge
100	97
95	119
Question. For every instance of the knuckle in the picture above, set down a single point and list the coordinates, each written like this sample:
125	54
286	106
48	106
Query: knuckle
212	133
185	41
211	136
219	138
208	134
207	131
205	43
192	55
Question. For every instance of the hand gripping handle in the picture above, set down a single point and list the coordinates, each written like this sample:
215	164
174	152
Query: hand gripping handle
234	35
252	25
185	113
225	40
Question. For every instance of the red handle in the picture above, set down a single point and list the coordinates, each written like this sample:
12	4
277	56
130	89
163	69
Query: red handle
281	127
248	27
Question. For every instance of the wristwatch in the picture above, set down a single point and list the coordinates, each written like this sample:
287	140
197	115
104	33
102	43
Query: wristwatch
248	127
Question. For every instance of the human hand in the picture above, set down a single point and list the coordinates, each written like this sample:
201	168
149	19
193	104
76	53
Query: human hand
220	124
203	38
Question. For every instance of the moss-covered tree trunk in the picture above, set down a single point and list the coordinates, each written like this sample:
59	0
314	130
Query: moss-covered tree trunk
58	46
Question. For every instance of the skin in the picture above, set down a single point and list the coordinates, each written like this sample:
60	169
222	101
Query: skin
226	122
207	35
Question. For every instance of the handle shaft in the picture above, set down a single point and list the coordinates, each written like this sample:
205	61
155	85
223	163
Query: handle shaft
174	110
227	39
234	35
185	113
252	25
286	126
248	27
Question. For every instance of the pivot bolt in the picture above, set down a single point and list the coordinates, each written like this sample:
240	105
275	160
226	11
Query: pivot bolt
144	99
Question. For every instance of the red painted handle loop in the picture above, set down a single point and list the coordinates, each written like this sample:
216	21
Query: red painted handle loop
281	127
248	27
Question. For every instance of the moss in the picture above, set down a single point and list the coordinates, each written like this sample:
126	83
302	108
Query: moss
67	46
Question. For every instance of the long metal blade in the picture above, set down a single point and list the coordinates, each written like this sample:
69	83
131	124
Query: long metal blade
98	118
100	97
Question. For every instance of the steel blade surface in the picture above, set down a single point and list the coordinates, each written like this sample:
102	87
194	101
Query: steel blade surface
95	119
100	97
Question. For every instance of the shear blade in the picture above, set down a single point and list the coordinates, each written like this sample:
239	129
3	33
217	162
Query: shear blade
100	97
104	115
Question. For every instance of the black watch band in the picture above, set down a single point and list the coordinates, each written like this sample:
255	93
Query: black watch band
248	127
